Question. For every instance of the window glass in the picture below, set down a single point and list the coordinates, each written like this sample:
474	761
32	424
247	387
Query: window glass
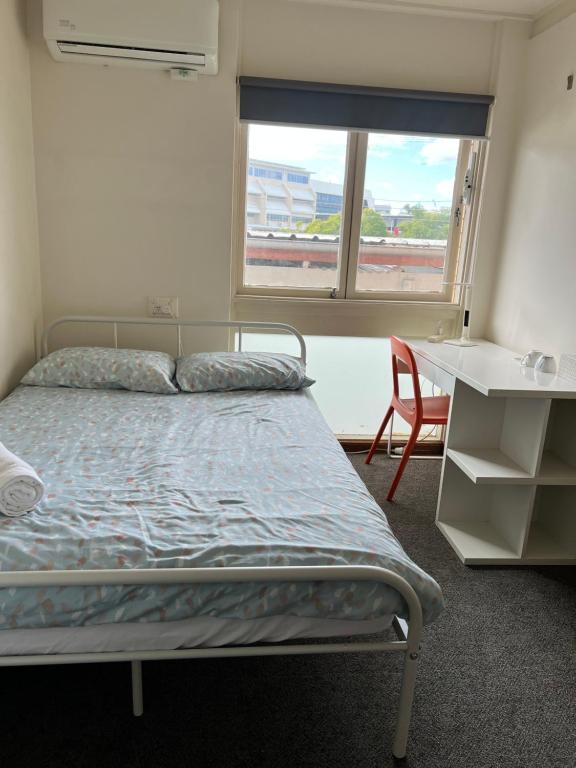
407	213
294	202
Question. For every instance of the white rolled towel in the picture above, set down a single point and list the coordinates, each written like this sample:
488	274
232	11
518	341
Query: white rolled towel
20	487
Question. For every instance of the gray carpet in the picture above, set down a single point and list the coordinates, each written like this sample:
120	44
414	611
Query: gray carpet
496	687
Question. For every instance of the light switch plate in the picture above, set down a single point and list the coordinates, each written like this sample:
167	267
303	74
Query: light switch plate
163	306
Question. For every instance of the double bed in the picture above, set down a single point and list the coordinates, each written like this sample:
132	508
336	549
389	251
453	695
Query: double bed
190	525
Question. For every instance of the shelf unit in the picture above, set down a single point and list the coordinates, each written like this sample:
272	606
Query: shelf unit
508	491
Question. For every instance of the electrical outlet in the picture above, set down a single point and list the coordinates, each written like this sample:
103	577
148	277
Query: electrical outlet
163	306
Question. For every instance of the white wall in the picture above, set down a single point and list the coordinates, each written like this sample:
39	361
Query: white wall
134	176
19	267
507	78
366	47
534	301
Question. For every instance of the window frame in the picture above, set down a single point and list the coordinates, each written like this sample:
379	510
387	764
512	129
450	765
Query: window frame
458	249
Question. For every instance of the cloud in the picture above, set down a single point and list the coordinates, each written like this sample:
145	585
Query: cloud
438	151
445	189
381	190
332	178
382	145
296	146
386	141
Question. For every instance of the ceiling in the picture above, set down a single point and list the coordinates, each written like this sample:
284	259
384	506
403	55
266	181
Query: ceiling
521	9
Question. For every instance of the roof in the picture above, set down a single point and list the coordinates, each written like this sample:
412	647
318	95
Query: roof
398	242
330	188
278	166
327	187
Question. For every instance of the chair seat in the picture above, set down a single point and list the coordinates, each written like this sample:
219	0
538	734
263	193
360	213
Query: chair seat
435	409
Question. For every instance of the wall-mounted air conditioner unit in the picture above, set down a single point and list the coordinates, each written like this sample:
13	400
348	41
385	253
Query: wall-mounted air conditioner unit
159	34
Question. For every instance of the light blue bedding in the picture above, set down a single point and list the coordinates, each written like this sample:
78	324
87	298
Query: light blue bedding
140	480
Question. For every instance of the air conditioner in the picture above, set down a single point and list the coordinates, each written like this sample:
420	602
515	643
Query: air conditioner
158	34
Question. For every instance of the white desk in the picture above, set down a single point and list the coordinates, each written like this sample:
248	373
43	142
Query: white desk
508	487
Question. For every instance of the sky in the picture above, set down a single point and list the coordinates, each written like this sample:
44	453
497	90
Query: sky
399	169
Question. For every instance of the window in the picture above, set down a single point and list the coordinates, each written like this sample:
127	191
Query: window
363	216
265	173
290	257
414	179
276	219
297	178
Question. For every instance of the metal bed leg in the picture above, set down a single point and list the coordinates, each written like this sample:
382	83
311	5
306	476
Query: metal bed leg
137	692
405	705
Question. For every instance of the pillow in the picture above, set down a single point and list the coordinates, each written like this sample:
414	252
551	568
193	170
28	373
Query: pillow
102	368
225	371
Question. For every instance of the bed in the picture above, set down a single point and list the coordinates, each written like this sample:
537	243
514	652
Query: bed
194	525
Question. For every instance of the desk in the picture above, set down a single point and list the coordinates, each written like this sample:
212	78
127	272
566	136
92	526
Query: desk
508	484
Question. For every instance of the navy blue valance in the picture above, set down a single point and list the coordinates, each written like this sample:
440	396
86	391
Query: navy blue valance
264	100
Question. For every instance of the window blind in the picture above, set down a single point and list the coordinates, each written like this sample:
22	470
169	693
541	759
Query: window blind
351	107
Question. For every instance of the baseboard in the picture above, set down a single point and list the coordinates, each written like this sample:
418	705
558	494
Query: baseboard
424	448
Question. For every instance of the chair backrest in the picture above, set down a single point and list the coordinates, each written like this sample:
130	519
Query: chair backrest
403	361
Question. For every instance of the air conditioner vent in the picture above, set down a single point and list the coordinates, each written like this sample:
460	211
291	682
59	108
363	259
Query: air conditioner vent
132	52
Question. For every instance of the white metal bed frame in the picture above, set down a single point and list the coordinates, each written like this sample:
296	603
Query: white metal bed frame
408	633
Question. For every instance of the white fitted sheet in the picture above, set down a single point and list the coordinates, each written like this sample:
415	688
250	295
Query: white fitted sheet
199	632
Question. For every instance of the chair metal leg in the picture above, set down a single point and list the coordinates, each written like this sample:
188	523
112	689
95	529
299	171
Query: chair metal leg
404	460
379	434
390	431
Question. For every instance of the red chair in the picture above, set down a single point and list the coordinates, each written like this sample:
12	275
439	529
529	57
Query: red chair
416	411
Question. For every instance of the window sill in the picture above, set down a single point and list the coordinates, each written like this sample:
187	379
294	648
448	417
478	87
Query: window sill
319	301
349	317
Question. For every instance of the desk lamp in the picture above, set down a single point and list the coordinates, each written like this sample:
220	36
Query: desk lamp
464	340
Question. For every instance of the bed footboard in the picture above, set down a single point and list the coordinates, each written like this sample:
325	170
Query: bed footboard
408	633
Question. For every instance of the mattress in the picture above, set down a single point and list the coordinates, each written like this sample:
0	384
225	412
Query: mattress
139	480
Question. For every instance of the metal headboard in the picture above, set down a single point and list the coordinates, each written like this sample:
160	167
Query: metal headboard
239	326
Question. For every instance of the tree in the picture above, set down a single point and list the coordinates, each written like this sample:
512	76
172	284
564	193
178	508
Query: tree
373	225
426	225
329	226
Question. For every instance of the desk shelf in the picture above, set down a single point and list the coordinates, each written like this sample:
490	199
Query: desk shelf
484	522
542	548
492	466
478	542
489	466
555	471
552	533
508	490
